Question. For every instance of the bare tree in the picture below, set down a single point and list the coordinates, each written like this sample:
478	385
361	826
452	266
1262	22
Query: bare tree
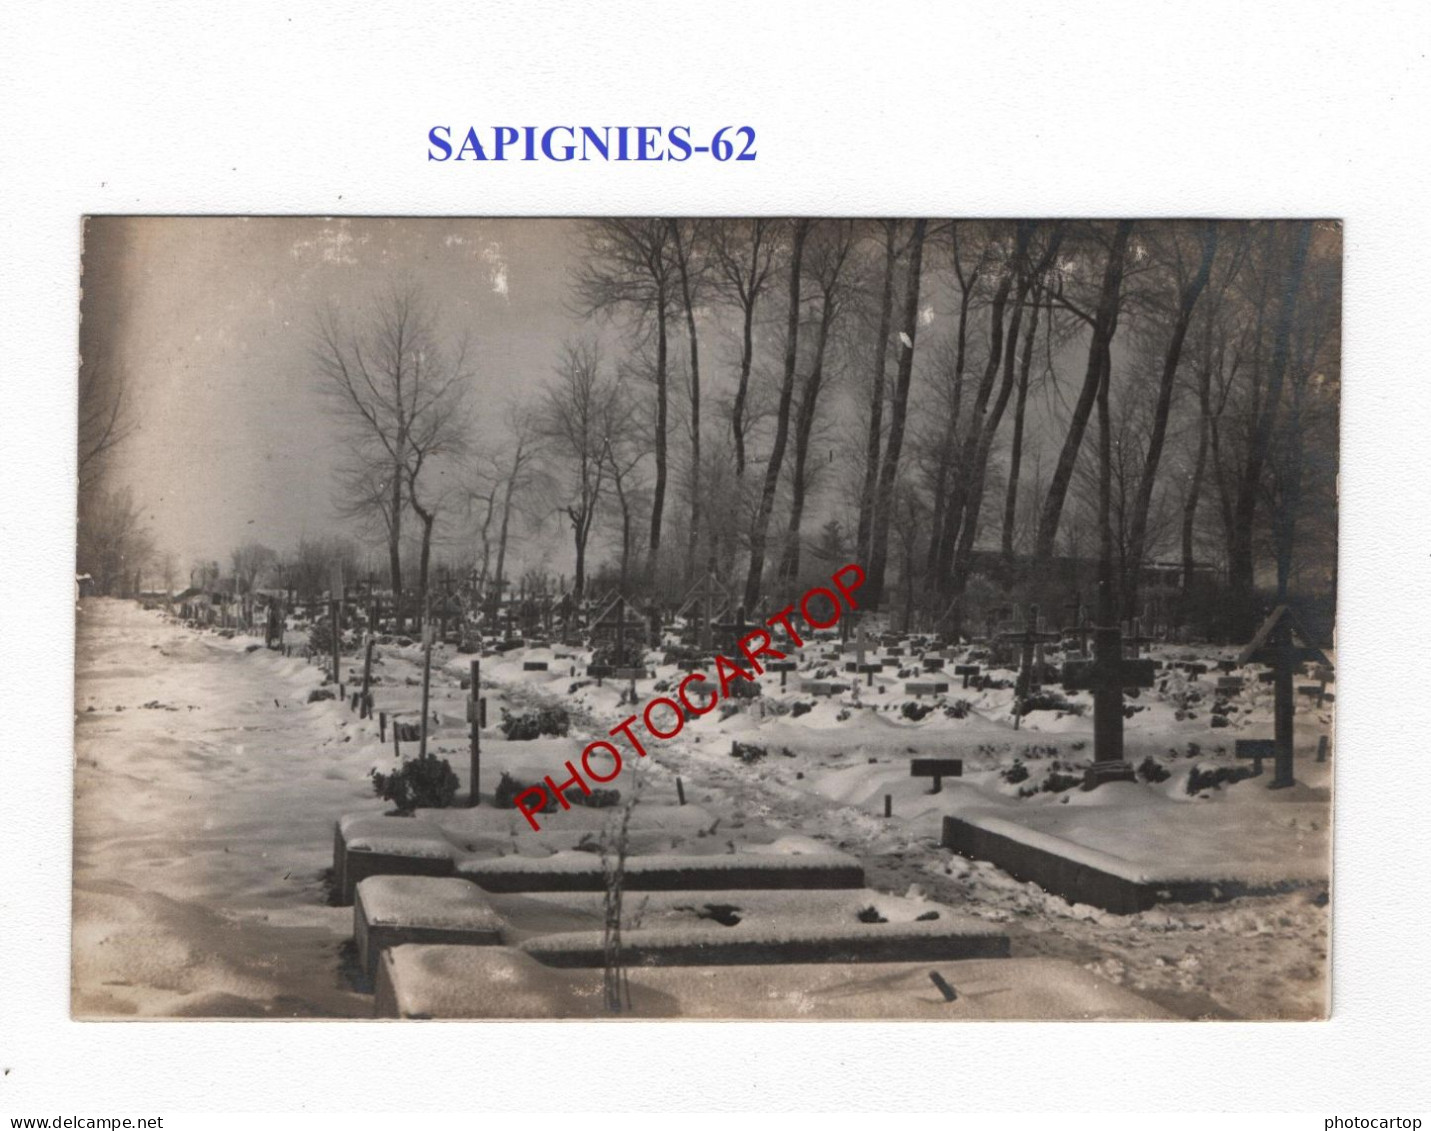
1103	320
628	267
832	242
574	421
113	545
690	255
743	253
104	416
800	229
1190	286
875	432
889	466
398	387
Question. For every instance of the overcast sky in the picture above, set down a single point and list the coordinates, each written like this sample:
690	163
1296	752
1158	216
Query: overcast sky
210	318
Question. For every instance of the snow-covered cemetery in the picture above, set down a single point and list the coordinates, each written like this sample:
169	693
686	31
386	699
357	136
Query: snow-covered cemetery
730	619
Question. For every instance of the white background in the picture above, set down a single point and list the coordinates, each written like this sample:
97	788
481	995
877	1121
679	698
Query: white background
1240	109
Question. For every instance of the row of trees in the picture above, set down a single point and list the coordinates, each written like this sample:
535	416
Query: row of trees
936	399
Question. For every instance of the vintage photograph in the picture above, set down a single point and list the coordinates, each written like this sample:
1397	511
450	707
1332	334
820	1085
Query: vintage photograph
708	618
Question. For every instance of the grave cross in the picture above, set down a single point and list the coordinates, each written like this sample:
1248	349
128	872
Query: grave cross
1027	640
1276	643
1132	641
732	631
1106	675
862	667
704	592
477	718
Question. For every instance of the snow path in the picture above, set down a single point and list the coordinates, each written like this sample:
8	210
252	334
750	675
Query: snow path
203	826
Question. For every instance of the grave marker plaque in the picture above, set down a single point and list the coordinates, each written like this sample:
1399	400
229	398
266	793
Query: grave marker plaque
936	768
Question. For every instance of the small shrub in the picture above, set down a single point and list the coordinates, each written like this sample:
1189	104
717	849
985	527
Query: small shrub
1016	773
318	694
320	637
800	707
743	689
534	724
509	788
1151	770
747	752
728	709
422	783
959	709
1200	779
1058	782
1043	701
870	915
914	712
843	716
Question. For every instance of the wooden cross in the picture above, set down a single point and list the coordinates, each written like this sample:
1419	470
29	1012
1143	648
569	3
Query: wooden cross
1132	641
477	718
732	631
1278	643
1028	639
861	667
936	768
704	591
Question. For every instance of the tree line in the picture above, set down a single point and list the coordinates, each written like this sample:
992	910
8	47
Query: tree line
975	410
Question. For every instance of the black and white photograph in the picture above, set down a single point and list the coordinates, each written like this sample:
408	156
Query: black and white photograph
680	617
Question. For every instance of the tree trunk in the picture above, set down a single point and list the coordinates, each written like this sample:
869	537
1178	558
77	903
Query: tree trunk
876	422
947	450
502	538
879	532
804	425
395	534
1204	396
1241	566
737	412
957	500
761	527
658	493
693	542
1016	449
1105	323
1187	300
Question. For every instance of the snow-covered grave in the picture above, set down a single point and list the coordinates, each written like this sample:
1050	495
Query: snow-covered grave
688	927
456	982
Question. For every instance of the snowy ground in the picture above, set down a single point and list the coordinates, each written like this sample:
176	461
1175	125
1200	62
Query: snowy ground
204	822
